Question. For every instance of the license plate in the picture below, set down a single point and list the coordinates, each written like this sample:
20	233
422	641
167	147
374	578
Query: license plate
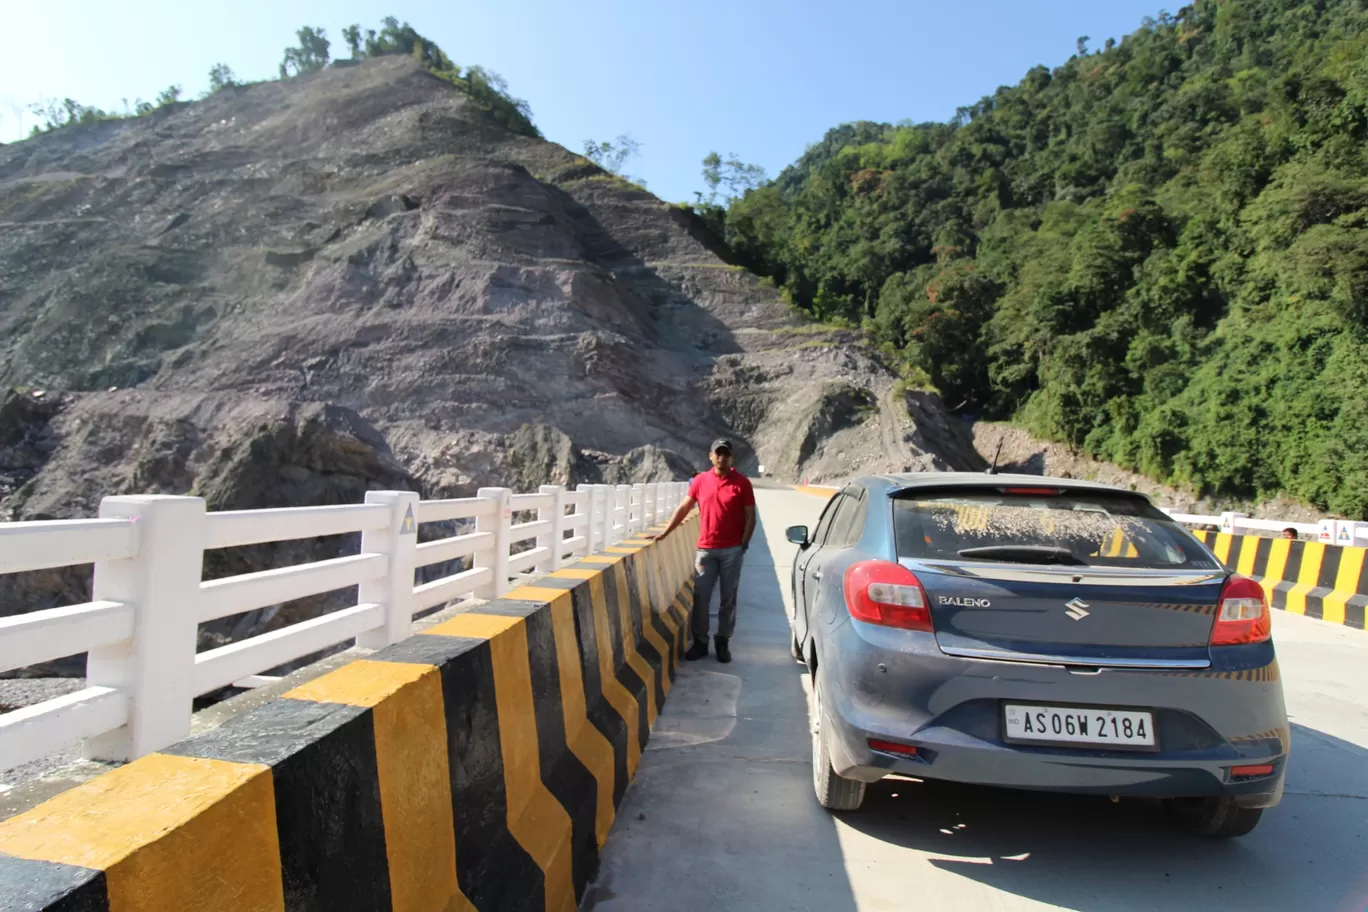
1114	728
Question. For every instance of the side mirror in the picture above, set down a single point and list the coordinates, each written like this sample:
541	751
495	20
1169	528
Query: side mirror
798	535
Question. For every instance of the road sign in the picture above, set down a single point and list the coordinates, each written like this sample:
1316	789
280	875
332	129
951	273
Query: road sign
409	527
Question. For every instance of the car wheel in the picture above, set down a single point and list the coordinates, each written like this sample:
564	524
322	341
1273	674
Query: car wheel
833	792
1218	817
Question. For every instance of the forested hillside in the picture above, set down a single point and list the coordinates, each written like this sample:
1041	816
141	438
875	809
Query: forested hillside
1157	252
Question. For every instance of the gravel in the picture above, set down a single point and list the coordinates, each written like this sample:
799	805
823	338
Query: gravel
16	693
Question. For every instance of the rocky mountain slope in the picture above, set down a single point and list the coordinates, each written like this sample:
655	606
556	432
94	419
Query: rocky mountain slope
291	292
366	238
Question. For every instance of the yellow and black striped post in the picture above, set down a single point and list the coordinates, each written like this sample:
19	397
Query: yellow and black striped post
1301	577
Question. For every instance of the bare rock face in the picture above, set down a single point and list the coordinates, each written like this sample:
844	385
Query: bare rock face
25	441
293	292
827	410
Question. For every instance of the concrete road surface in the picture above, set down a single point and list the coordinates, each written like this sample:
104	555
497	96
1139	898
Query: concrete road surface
721	815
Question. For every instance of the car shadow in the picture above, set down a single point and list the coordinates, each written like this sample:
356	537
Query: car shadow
1088	853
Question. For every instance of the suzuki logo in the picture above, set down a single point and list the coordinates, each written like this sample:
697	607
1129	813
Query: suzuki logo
1077	609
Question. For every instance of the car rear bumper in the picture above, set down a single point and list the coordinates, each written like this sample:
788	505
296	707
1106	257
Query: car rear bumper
893	686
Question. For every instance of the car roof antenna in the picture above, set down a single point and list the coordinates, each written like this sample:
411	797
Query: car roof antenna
992	469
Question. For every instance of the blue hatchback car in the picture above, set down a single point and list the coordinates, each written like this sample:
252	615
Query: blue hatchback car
1035	633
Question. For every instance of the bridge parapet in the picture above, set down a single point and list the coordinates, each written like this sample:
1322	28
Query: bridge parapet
149	597
1313	578
477	764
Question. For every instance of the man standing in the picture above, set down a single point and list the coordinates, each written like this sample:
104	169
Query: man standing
726	512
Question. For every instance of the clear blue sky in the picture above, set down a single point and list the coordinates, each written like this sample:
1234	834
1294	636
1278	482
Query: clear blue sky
761	78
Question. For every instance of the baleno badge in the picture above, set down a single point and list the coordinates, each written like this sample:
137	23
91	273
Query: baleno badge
965	602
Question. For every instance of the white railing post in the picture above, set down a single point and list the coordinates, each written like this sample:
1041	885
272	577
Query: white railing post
667	501
156	667
648	506
556	538
622	503
638	504
607	502
495	557
609	508
593	529
588	491
394	591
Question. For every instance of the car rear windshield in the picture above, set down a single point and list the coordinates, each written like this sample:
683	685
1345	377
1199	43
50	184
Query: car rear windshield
1042	526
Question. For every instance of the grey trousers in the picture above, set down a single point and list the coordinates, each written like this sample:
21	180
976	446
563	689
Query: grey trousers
708	566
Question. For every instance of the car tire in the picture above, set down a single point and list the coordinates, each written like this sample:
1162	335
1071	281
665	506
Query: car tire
834	792
1216	817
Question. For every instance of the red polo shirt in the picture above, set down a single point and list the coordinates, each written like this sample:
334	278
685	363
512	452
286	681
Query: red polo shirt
722	502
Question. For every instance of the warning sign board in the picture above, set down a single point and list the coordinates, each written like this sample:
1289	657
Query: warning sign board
1344	533
409	527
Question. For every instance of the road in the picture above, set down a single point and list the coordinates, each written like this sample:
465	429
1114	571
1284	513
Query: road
721	814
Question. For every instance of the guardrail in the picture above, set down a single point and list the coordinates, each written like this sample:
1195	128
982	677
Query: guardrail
140	628
1328	531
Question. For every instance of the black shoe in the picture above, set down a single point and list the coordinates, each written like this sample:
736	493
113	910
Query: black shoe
697	651
723	650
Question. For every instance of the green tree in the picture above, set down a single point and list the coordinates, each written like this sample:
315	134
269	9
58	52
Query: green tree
57	114
309	56
612	156
168	96
730	178
352	35
221	76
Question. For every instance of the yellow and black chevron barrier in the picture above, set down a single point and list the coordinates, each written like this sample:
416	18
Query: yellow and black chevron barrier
475	766
1301	577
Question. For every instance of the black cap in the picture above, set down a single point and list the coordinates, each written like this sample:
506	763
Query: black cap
722	443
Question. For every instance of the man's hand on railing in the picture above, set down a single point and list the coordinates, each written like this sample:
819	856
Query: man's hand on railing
681	513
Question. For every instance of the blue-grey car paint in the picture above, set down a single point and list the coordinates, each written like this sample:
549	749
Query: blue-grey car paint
900	685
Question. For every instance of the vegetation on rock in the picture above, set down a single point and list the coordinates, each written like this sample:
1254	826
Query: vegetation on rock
1157	253
488	90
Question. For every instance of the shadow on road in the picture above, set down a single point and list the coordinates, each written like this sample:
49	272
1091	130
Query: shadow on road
1086	853
721	813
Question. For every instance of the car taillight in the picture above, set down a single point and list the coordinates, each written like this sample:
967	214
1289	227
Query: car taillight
888	594
1242	615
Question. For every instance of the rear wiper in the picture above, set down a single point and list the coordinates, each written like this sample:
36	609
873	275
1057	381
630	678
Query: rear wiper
1024	554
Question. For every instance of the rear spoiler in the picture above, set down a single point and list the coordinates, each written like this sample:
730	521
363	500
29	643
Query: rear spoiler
1051	487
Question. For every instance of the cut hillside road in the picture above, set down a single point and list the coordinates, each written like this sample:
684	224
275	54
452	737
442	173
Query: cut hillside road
721	814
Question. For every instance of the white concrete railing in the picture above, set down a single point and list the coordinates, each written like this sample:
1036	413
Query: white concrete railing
148	596
1329	531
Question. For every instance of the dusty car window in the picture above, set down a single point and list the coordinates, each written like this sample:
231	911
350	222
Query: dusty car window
1066	528
849	523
